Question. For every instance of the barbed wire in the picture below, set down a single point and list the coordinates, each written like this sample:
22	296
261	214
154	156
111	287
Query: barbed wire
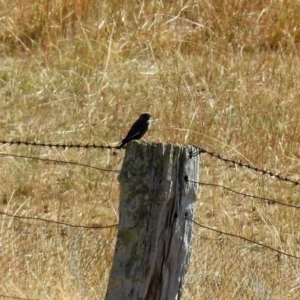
57	145
245	165
115	225
243	238
18	298
31	248
198	152
57	222
59	161
269	200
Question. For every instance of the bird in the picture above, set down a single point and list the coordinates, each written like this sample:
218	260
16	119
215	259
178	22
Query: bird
137	130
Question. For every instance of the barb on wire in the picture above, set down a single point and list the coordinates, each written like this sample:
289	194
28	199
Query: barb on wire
59	161
57	222
243	238
269	200
57	145
247	166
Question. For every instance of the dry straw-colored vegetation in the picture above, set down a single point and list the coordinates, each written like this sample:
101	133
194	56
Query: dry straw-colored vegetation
223	75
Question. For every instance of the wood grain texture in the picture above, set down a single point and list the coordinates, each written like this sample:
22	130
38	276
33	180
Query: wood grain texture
154	238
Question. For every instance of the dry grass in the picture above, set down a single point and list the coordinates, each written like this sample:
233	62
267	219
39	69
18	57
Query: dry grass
220	74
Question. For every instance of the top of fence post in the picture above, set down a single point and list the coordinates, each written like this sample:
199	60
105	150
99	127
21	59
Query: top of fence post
154	238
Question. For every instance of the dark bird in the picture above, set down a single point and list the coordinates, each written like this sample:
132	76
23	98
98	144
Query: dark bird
137	130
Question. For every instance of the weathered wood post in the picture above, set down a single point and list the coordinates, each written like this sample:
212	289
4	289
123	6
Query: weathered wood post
154	238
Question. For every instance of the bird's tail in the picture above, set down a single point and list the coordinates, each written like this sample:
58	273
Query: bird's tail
120	145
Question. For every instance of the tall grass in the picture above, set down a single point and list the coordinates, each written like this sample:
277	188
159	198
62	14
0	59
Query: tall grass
223	75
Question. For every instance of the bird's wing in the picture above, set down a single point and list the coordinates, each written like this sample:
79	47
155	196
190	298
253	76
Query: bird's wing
135	130
131	134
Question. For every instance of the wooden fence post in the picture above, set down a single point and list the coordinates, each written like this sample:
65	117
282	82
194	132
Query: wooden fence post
154	238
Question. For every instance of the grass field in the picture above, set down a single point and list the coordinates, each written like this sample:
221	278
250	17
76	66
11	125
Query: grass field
223	75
